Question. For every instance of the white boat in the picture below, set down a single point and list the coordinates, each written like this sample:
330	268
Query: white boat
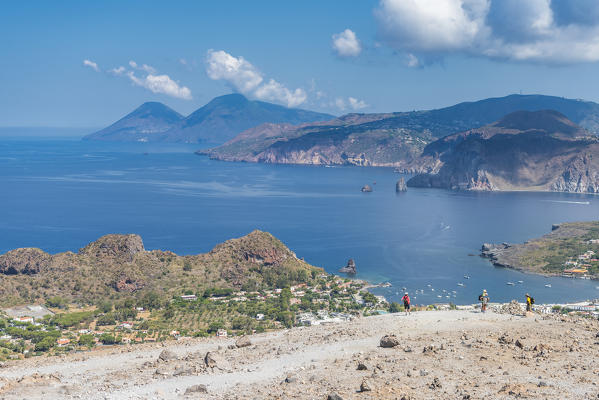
466	277
548	285
433	290
460	284
520	281
510	283
439	296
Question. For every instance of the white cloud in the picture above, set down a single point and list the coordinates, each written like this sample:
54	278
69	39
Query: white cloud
356	104
412	61
161	84
133	64
117	71
237	71
91	64
350	103
247	79
547	31
274	91
346	44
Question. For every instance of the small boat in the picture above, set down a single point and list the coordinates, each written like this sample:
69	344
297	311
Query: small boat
432	289
520	281
548	285
460	284
597	287
510	283
439	296
428	285
466	277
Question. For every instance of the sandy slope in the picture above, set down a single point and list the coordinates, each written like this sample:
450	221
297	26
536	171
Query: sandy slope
472	355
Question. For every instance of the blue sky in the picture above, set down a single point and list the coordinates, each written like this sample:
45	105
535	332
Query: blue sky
332	56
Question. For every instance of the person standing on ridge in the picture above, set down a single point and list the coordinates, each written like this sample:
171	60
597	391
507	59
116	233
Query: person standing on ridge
406	302
484	300
529	302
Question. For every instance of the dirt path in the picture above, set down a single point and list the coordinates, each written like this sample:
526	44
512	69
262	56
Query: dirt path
441	355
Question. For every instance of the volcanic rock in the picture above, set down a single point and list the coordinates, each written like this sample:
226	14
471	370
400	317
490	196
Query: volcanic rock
350	268
388	341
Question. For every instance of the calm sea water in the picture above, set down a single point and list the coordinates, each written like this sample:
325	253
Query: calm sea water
60	194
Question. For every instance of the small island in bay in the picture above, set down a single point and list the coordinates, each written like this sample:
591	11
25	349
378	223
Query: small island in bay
569	250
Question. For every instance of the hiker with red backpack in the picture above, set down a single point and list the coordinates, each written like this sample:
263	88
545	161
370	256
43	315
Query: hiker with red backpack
406	303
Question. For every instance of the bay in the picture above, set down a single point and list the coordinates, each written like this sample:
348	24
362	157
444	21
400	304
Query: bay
59	194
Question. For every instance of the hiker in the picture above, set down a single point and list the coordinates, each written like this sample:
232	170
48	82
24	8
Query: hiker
529	302
484	300
406	302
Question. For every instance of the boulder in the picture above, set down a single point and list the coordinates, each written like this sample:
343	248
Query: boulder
389	341
243	341
334	396
167	355
215	360
196	389
365	386
362	367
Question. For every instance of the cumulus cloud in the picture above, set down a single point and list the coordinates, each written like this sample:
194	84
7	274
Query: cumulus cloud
245	78
91	64
346	44
548	31
161	84
350	103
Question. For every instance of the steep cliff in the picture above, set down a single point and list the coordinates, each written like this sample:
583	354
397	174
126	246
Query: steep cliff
540	150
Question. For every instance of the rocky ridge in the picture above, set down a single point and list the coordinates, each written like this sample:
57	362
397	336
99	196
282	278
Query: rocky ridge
390	139
119	265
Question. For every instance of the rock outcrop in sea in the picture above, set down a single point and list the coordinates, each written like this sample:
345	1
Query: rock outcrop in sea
350	268
400	186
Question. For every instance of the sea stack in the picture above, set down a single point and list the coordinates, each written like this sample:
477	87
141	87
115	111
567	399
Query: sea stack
350	268
400	186
366	188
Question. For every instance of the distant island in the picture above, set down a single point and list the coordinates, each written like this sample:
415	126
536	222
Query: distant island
217	122
570	250
388	139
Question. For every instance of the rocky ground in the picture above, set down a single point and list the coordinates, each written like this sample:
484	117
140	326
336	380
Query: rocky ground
427	355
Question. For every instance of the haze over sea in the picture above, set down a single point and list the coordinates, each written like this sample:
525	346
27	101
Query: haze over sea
59	194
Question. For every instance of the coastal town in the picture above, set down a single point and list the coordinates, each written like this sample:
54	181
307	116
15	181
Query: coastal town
56	328
35	330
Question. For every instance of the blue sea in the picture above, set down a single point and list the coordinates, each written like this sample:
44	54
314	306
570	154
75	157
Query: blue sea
61	193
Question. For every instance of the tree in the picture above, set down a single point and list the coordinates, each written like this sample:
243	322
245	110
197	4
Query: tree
86	340
285	299
107	338
394	307
56	301
45	344
105	307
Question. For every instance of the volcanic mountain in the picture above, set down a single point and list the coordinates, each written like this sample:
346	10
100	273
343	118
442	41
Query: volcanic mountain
217	122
